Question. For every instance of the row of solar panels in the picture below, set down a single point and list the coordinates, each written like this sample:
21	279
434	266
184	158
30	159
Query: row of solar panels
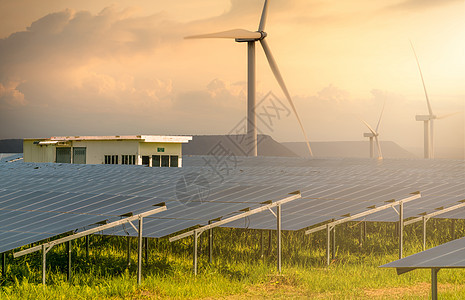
42	200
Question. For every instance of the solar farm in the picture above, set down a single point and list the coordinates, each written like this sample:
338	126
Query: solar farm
205	209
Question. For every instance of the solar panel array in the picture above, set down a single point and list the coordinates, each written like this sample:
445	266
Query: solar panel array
205	189
448	255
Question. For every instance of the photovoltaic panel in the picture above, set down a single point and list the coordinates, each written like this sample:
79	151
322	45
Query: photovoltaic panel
330	188
448	255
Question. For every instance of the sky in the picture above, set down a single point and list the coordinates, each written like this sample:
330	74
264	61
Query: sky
106	67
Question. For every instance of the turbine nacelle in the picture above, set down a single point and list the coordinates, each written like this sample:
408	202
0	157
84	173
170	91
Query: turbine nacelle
425	117
262	36
370	134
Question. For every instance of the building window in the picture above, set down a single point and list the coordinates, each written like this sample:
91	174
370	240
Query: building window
156	161
63	155
79	155
174	161
165	160
128	159
145	160
111	159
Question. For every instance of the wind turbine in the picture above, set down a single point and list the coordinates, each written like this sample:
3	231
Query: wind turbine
374	134
251	37
428	120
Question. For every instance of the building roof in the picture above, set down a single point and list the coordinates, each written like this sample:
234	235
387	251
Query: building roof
142	138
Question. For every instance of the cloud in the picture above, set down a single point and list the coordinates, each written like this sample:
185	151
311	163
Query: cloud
417	5
10	96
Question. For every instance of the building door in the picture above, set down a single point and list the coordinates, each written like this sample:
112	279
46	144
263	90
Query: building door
79	155
64	155
145	160
165	160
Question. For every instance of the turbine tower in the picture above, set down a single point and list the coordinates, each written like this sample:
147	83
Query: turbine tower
428	120
374	134
251	37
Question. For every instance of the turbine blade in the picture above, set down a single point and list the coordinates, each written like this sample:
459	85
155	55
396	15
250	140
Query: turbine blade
379	121
422	80
279	78
229	34
380	154
369	127
448	115
261	27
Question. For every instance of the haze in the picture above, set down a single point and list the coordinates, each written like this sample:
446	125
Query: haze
122	67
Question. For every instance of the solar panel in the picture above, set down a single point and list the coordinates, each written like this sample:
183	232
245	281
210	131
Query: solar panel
330	188
448	255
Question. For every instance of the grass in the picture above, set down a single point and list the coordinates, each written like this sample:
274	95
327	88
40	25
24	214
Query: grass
238	270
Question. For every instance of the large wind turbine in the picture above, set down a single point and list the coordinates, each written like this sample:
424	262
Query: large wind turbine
428	120
374	134
250	37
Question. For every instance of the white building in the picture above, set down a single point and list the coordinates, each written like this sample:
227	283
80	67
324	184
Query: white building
150	150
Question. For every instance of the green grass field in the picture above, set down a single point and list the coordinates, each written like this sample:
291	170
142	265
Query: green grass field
238	269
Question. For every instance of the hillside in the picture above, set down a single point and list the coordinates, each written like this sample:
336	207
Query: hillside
11	146
235	144
348	149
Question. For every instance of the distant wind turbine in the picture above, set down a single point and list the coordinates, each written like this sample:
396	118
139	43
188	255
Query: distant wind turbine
374	134
250	37
427	119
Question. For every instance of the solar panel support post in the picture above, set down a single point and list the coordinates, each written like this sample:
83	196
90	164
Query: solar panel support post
69	248
333	255
425	219
4	264
270	239
210	243
262	241
139	251
401	229
146	250
278	225
44	263
453	229
128	251
87	246
328	244
434	283
196	235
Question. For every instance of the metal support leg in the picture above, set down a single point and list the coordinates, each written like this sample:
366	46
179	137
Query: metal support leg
453	229
333	256
360	239
195	252
87	246
401	229
210	244
270	238
146	250
4	264
278	227
69	248
364	231
44	263
262	241
128	253
424	233
139	250
434	283
328	243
